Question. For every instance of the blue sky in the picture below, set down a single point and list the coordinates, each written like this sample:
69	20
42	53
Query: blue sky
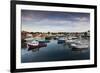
44	21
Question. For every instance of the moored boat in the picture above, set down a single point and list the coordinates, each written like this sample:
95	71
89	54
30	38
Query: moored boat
44	41
70	41
79	45
33	43
72	38
36	44
61	40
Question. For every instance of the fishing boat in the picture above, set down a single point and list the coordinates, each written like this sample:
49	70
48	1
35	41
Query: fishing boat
36	44
33	43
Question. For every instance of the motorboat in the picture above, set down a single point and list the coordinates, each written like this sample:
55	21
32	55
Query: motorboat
79	45
71	40
36	44
61	40
33	43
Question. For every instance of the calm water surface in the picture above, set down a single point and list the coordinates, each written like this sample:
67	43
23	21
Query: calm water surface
54	52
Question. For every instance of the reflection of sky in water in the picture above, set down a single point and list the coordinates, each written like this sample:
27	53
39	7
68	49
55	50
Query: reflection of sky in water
53	52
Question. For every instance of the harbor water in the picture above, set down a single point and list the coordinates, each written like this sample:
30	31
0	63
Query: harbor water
53	52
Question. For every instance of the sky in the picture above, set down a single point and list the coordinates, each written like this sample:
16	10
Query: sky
52	21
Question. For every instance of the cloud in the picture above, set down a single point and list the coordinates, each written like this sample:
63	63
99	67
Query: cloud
58	26
42	21
81	19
